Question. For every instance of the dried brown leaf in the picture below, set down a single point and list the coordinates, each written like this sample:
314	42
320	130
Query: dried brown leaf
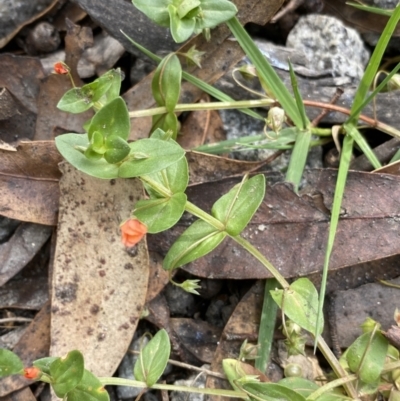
21	248
242	325
291	230
29	182
98	288
21	76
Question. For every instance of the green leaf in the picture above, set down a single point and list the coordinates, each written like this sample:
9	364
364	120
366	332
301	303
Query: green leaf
267	326
153	359
187	6
89	389
300	304
214	13
156	10
44	363
66	145
117	149
166	122
181	29
66	373
173	179
236	208
112	119
271	392
196	241
110	84
166	83
366	356
302	386
160	134
162	213
159	155
97	143
75	101
10	363
298	158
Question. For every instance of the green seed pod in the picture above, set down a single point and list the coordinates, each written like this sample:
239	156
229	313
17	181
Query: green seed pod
293	370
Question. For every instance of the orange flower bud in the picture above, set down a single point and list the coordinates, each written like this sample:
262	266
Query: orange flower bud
32	373
60	68
132	232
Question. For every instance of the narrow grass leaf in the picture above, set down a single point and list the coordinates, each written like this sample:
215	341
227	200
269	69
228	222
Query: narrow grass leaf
363	144
348	142
270	392
266	72
298	158
267	326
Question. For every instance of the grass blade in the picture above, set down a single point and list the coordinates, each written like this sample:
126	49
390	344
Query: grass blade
266	72
348	142
301	147
267	326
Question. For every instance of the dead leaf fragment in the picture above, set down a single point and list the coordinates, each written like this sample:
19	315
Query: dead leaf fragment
98	289
21	248
242	325
198	338
29	182
21	76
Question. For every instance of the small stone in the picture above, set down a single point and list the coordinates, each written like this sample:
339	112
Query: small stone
330	46
195	380
43	38
180	302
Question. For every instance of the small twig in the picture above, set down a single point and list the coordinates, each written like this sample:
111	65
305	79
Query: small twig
15	319
324	112
291	6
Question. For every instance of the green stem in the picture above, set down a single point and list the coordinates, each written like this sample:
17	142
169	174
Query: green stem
117	381
336	366
261	258
330	386
241	104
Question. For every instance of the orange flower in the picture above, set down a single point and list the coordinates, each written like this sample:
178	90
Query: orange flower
132	232
32	373
60	68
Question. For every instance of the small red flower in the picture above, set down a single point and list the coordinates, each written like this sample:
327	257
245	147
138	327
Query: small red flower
32	373
132	232
60	68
